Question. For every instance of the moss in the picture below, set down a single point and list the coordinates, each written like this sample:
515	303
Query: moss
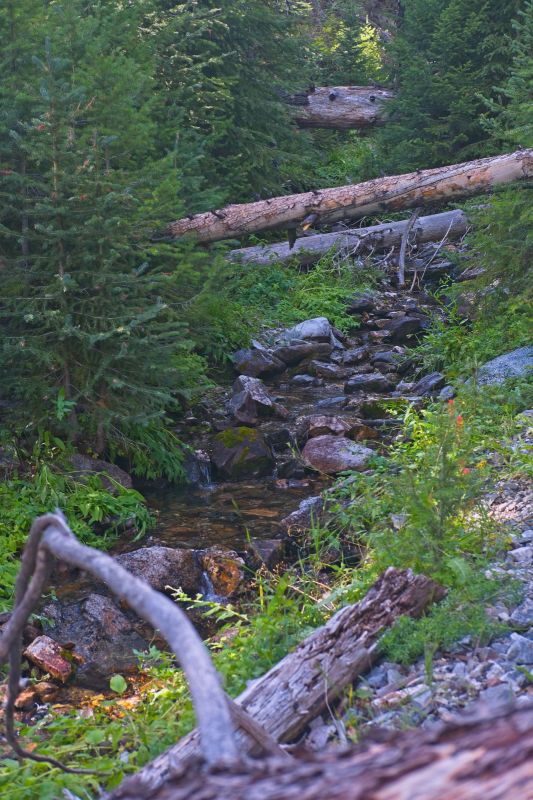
232	437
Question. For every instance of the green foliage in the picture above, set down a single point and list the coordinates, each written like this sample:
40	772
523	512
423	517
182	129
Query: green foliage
88	506
447	55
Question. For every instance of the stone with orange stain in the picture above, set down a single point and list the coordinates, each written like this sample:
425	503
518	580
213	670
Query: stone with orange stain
225	570
51	657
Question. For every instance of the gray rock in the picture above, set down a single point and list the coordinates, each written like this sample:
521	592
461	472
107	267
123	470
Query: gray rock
256	363
521	649
523	615
252	401
362	301
399	329
164	566
330	372
501	694
429	384
517	364
304	380
308	512
522	555
355	355
332	454
373	382
318	328
447	393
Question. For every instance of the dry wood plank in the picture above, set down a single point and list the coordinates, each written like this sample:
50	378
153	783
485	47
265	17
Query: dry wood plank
341	107
486	754
299	687
355	241
358	200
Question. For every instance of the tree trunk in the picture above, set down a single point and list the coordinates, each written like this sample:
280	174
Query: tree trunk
358	241
487	755
300	687
340	107
355	201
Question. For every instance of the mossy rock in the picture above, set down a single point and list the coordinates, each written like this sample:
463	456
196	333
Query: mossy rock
242	453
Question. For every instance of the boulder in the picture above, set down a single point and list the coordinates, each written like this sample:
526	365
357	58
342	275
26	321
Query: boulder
223	571
516	364
319	329
102	635
110	475
256	362
164	566
429	385
332	454
299	349
372	382
242	453
308	427
362	301
398	329
252	401
308	512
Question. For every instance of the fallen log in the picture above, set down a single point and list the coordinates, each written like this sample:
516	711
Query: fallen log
355	201
356	241
340	107
486	754
300	686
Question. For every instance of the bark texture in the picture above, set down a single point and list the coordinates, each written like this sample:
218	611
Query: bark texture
300	686
485	756
355	201
356	241
341	107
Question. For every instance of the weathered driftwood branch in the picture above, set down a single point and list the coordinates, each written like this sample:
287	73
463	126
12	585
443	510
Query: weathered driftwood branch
355	241
403	246
50	536
340	107
485	755
297	689
355	201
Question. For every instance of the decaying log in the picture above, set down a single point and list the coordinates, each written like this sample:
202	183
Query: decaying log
341	107
51	536
485	755
355	201
300	686
355	241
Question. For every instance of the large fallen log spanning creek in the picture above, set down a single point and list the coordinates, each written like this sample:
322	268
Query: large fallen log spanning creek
300	686
355	201
308	249
340	107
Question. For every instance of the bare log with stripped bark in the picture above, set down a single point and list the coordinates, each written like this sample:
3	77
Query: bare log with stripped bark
300	686
486	754
356	241
341	107
355	201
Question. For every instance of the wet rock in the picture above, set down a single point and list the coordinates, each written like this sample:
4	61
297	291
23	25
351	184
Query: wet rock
242	453
399	329
308	512
318	328
197	467
251	401
332	454
372	382
51	657
255	362
110	475
330	372
267	552
224	570
27	699
305	380
355	355
299	349
521	649
102	635
164	566
517	364
429	385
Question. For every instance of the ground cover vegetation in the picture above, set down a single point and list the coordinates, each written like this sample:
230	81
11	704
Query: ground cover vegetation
119	117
